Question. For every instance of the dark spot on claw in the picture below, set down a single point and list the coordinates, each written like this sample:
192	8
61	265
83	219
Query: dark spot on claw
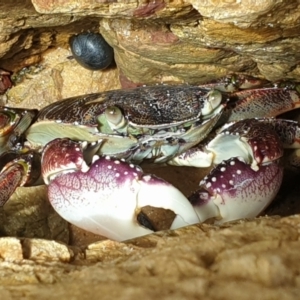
200	197
91	51
156	218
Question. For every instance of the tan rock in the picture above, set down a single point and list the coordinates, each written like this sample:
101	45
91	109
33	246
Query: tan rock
58	77
154	41
233	11
107	8
257	258
28	213
41	250
10	249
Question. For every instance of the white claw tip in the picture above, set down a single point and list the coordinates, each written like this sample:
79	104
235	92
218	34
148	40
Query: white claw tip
95	157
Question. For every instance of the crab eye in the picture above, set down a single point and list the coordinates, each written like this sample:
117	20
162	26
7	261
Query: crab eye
214	98
234	80
114	117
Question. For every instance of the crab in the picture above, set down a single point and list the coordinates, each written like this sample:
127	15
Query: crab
87	149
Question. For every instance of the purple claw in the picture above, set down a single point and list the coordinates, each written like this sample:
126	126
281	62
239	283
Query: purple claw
233	190
257	143
63	156
263	140
107	197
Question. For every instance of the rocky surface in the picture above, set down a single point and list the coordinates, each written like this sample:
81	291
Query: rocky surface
245	260
162	41
182	41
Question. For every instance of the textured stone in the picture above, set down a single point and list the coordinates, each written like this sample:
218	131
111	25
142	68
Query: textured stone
246	13
41	250
176	60
154	41
108	8
28	213
163	41
58	77
10	249
259	259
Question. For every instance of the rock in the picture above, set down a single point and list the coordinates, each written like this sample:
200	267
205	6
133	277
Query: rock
257	258
10	249
41	256
162	41
42	250
28	213
248	13
56	78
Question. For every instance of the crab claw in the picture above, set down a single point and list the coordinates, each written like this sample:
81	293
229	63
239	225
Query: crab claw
110	197
257	143
233	190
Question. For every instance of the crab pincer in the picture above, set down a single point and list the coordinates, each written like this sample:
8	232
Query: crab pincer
110	197
248	174
233	190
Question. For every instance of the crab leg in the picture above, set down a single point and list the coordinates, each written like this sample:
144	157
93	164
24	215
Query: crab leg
13	123
264	102
21	171
5	81
288	131
10	179
232	83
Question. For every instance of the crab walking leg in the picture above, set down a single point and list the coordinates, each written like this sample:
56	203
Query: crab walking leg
13	123
294	158
109	197
264	102
10	179
233	190
20	170
288	131
235	82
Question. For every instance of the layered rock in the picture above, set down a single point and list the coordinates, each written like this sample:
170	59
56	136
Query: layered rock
182	41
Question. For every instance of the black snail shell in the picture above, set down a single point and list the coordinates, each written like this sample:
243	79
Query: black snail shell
91	51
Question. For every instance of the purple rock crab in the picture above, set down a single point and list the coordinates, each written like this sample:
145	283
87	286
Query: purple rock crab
90	145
